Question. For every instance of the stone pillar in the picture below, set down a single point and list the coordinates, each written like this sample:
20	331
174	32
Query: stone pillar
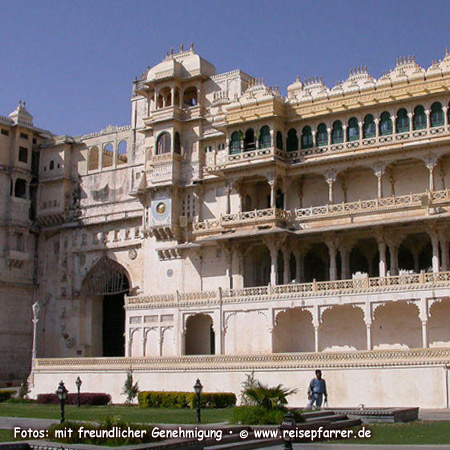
344	250
329	135
368	334
394	124
361	131
431	164
379	172
445	110
273	249
316	338
393	252
377	129
444	254
228	200
427	113
424	333
286	271
330	178
344	129
411	122
299	267
286	185
273	192
238	278
172	96
229	268
435	246
332	249
300	192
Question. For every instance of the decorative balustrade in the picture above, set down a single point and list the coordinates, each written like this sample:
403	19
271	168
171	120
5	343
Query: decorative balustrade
369	142
247	217
374	205
295	156
287	291
386	204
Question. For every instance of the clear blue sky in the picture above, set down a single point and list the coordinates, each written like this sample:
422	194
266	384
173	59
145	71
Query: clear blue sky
74	61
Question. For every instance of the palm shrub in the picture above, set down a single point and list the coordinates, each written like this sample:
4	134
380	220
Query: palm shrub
269	397
130	389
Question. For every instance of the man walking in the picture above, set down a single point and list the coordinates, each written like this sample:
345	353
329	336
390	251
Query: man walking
316	391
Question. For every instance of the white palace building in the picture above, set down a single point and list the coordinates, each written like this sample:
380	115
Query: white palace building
230	229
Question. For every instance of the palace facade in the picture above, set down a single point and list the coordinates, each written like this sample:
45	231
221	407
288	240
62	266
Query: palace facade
229	228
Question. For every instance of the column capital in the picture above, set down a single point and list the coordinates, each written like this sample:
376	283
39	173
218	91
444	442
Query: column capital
430	161
330	176
379	169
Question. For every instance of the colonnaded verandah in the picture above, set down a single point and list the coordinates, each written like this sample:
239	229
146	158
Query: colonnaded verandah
228	229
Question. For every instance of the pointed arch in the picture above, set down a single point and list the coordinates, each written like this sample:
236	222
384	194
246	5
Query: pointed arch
106	277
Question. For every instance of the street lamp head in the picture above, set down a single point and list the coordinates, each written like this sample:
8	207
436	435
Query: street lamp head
61	391
78	382
36	308
198	387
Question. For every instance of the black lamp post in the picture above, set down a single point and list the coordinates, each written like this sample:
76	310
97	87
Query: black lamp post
287	425
62	396
198	390
78	382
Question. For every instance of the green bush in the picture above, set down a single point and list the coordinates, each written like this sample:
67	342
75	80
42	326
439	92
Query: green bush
258	415
6	395
161	399
20	400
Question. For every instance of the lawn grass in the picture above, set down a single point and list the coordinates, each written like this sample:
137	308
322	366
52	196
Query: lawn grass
418	433
6	436
127	413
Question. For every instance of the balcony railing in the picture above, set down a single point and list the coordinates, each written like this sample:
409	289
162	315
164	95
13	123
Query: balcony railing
302	215
257	216
360	285
223	159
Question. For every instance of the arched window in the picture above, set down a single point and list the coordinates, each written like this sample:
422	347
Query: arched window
369	127
420	118
122	153
264	137
249	140
177	143
292	140
402	122
353	129
163	144
337	133
93	158
51	165
322	135
436	115
190	97
385	124
108	154
307	138
235	143
279	140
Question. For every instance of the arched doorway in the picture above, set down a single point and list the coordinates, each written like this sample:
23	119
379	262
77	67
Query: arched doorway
106	285
200	337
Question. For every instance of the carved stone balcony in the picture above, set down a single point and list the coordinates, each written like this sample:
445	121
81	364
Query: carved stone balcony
223	160
257	217
166	168
412	204
361	286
